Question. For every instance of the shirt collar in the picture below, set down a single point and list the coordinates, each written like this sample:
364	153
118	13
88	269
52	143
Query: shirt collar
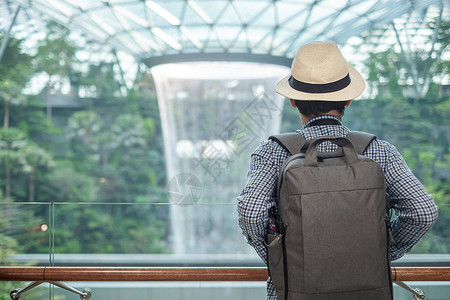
321	118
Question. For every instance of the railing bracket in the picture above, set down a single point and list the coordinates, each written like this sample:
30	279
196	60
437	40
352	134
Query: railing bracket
418	294
84	295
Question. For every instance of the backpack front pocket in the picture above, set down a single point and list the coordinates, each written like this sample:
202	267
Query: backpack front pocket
275	253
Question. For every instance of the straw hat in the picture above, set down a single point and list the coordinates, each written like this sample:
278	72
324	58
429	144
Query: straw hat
320	72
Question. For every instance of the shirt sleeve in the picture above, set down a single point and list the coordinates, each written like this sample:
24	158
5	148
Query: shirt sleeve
257	197
414	208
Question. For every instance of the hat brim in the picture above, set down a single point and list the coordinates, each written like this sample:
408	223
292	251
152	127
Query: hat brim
352	91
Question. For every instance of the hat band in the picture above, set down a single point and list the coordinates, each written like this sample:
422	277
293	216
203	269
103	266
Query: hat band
319	88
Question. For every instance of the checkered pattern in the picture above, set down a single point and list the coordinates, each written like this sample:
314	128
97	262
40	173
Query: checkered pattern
414	208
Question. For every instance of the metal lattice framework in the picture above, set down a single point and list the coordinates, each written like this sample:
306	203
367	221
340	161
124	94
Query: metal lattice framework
158	31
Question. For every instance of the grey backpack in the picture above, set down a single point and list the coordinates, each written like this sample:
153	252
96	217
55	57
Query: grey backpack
329	238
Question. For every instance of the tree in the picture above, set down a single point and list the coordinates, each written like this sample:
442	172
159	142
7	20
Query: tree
111	152
15	72
12	141
104	143
130	130
423	64
84	124
35	157
101	83
417	61
55	57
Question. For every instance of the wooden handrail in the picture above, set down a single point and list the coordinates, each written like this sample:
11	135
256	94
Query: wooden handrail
184	274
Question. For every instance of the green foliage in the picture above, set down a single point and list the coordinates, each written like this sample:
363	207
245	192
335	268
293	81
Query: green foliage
55	56
15	71
8	245
419	130
35	157
107	151
12	141
83	124
15	65
415	118
101	164
67	185
101	82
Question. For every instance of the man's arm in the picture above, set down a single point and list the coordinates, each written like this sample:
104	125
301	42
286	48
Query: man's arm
415	209
257	197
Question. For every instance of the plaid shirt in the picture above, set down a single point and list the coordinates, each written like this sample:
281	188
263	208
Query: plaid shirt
415	209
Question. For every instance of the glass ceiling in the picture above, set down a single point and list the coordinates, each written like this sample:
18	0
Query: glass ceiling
155	30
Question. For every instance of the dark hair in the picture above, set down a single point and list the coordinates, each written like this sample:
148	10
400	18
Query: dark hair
315	108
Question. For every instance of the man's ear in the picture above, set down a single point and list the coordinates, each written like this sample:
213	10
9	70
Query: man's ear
348	103
292	103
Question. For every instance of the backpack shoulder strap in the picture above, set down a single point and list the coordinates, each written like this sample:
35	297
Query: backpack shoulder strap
360	140
293	142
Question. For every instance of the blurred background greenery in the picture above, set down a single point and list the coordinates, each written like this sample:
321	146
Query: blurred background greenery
106	146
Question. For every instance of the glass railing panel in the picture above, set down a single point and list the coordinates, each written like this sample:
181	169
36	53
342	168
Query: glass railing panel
149	235
25	230
97	228
142	235
25	240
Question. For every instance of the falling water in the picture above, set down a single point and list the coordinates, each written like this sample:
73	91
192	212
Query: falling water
213	114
